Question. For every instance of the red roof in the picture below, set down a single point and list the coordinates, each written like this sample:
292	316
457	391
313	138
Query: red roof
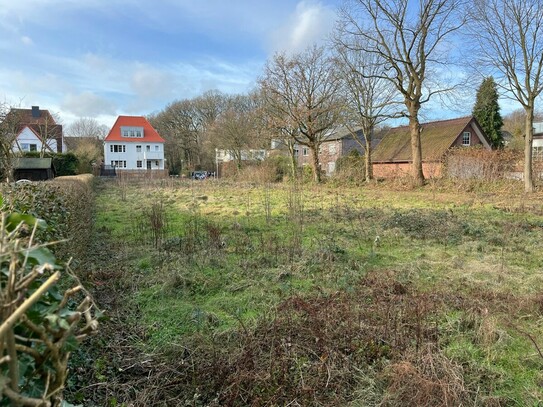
149	133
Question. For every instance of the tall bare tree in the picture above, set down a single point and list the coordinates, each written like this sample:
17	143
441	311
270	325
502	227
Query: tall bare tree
510	38
369	98
87	127
236	129
409	37
185	125
303	91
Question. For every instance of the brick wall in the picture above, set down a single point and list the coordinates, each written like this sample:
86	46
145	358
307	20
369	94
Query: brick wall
394	170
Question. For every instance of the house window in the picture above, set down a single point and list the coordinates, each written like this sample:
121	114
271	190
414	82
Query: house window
157	148
138	133
117	148
305	151
296	152
126	133
148	148
33	147
119	163
466	138
537	153
139	164
156	163
138	149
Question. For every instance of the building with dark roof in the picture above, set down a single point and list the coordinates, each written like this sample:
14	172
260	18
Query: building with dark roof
392	157
36	130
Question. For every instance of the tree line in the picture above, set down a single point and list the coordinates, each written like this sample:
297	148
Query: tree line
386	59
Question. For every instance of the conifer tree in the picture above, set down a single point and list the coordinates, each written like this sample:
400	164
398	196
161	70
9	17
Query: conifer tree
487	111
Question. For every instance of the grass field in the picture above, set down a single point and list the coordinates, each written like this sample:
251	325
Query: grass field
313	295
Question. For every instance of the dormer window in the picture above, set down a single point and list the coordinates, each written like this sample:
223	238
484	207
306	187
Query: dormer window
132	132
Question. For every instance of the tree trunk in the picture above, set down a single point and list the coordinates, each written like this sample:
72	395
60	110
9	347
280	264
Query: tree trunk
367	156
315	164
528	142
293	161
416	149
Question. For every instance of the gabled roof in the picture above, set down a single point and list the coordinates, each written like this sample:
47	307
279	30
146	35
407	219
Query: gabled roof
150	135
342	132
436	138
34	116
40	121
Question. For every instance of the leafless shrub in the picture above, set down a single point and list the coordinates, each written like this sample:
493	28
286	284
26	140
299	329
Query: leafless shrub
480	164
425	379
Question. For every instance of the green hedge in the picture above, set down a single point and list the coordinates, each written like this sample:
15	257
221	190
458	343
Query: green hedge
66	204
64	164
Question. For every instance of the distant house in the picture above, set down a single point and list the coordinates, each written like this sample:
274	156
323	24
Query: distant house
393	154
224	156
537	145
36	130
134	146
337	143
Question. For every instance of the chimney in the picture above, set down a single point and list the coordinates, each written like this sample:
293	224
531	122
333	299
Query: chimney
36	112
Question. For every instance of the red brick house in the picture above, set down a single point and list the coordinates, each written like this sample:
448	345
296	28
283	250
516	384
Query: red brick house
338	143
392	157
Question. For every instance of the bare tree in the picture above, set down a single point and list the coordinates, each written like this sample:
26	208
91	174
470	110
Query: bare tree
185	126
369	98
238	129
10	125
510	38
303	91
409	38
49	130
87	127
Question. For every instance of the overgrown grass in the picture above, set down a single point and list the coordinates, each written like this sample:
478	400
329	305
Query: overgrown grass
223	275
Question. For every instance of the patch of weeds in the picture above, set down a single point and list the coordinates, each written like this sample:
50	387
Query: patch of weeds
425	224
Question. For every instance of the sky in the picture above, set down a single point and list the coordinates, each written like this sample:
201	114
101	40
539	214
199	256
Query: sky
104	58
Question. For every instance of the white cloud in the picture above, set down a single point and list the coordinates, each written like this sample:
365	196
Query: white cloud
87	104
310	23
26	40
149	82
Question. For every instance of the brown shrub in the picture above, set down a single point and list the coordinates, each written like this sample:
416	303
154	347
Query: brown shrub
426	379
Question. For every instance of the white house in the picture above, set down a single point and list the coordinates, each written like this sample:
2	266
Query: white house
29	140
133	144
37	130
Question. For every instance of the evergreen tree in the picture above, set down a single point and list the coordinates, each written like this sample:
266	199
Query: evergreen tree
487	111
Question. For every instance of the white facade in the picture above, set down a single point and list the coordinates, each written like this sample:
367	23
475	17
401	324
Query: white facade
134	155
253	155
27	140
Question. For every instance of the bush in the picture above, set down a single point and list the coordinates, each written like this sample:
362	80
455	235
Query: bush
351	168
66	204
41	326
480	163
64	164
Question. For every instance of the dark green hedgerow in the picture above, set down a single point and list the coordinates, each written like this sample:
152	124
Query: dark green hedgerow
66	204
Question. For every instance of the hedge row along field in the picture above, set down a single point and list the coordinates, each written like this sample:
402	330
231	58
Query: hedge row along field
45	311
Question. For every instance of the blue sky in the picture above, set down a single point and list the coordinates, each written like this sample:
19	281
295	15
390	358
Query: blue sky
103	58
100	58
